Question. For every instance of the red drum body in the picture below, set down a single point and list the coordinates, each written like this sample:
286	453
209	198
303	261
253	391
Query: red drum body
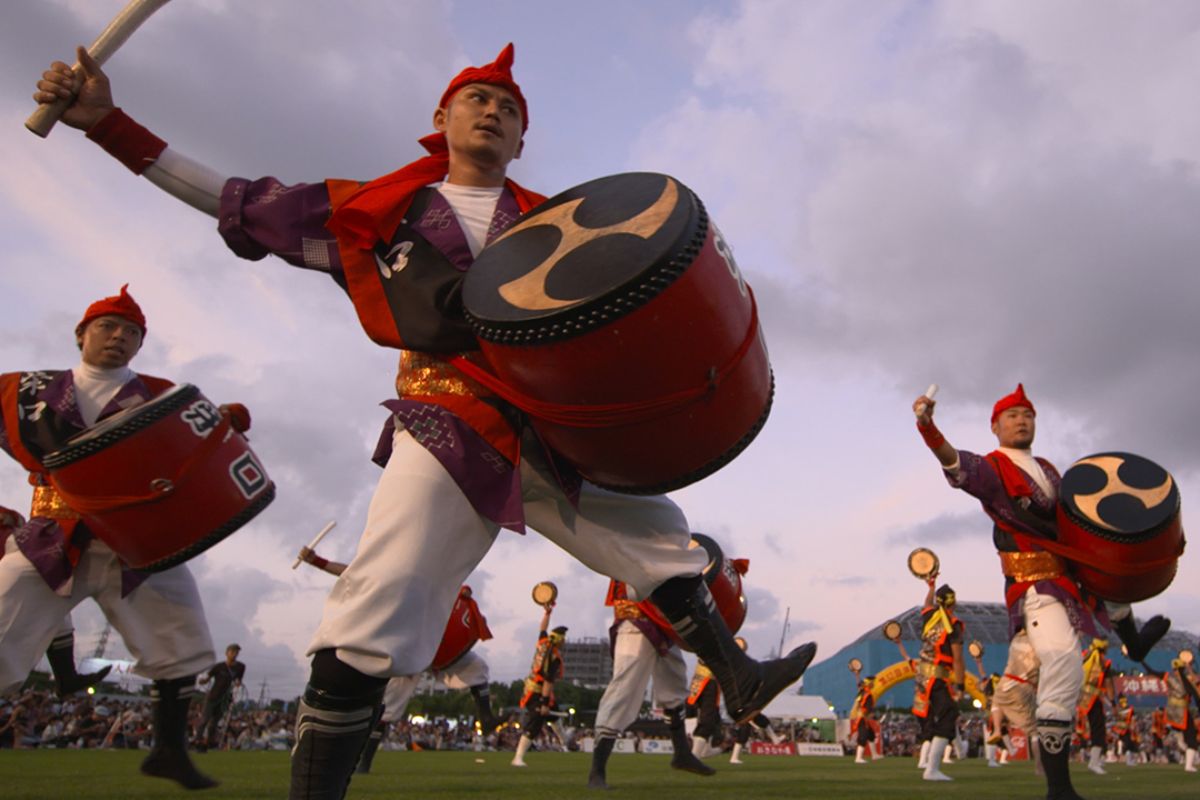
617	312
163	481
462	632
724	583
1121	513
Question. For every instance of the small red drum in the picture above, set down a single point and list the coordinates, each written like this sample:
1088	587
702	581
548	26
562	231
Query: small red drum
465	627
724	579
617	318
162	482
1118	515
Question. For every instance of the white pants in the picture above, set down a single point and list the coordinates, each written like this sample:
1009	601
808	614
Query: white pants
161	621
635	661
470	670
386	613
1056	644
1017	699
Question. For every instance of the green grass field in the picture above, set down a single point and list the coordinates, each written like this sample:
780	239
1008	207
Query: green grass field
109	775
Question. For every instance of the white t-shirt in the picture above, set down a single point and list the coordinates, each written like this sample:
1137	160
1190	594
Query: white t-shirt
474	207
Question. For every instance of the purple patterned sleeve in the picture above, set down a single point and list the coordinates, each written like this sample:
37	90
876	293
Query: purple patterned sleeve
263	217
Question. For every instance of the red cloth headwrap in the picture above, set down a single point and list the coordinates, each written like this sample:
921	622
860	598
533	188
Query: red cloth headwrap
374	211
497	73
1013	400
121	305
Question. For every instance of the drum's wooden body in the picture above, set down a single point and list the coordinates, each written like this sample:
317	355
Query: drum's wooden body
618	311
1121	513
154	484
724	583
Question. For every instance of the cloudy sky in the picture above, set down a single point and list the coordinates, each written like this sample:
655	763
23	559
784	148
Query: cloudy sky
972	193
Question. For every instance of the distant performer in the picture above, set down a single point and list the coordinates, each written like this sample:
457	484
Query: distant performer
641	650
225	678
538	700
1097	687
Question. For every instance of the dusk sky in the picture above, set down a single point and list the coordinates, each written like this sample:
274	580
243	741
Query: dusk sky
967	193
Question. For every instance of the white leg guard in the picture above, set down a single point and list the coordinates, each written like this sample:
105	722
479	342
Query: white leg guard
737	751
522	749
990	750
1094	761
933	771
1189	763
858	755
923	761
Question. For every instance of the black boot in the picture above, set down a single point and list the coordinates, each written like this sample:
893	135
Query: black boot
331	734
483	709
368	754
1138	644
683	758
748	685
603	749
168	757
1054	739
61	655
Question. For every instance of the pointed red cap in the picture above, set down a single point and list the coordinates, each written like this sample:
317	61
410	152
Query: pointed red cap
122	305
497	73
1013	400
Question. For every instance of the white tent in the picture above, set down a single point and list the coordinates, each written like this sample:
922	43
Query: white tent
799	706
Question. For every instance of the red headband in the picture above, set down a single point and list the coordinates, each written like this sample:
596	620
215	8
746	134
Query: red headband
1013	400
121	305
497	73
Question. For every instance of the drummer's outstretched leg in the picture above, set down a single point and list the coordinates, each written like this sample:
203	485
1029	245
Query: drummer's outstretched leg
340	708
749	685
61	655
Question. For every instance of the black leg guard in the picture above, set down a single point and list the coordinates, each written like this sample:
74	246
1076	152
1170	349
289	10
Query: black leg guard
340	708
168	758
368	754
61	655
748	684
683	758
603	749
1138	644
1055	742
483	709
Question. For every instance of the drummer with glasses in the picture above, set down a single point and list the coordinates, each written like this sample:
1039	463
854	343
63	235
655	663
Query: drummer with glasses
52	562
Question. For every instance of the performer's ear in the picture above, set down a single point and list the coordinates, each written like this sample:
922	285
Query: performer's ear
439	120
520	149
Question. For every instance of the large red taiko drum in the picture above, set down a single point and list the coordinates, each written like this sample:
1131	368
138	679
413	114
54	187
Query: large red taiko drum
617	318
163	481
723	577
1119	514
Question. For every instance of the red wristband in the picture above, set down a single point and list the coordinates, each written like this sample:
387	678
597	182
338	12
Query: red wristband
127	141
318	562
932	436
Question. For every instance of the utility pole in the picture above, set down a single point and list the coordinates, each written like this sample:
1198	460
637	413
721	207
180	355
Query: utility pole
102	643
783	634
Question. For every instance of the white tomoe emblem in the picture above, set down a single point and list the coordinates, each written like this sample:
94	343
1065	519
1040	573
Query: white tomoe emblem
726	252
395	260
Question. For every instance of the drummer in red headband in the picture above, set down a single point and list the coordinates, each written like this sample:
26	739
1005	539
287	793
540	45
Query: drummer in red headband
53	562
459	464
1046	606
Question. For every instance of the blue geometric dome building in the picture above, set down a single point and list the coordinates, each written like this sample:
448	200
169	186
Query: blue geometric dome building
985	622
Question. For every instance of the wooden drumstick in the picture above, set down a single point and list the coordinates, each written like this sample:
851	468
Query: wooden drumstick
317	540
929	393
107	43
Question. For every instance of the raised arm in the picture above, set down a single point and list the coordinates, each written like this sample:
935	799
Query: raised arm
144	153
946	455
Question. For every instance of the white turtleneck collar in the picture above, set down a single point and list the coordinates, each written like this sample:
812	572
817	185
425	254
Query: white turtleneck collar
1030	466
95	387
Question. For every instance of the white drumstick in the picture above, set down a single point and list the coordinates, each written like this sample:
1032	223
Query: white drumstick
929	393
107	43
317	540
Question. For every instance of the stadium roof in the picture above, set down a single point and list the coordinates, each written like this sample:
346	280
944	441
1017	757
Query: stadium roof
987	622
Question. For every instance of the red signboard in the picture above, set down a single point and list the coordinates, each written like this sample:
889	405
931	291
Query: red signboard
770	749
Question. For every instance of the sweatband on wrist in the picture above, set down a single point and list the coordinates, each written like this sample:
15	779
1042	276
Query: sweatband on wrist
932	436
127	141
318	562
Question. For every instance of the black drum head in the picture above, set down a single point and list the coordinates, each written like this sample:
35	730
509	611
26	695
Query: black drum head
589	254
1120	496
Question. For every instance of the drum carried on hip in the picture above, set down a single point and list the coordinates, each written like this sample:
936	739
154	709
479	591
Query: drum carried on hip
724	579
1119	522
162	482
615	316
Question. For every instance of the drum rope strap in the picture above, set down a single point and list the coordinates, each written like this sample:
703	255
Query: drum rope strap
608	415
96	504
1089	559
